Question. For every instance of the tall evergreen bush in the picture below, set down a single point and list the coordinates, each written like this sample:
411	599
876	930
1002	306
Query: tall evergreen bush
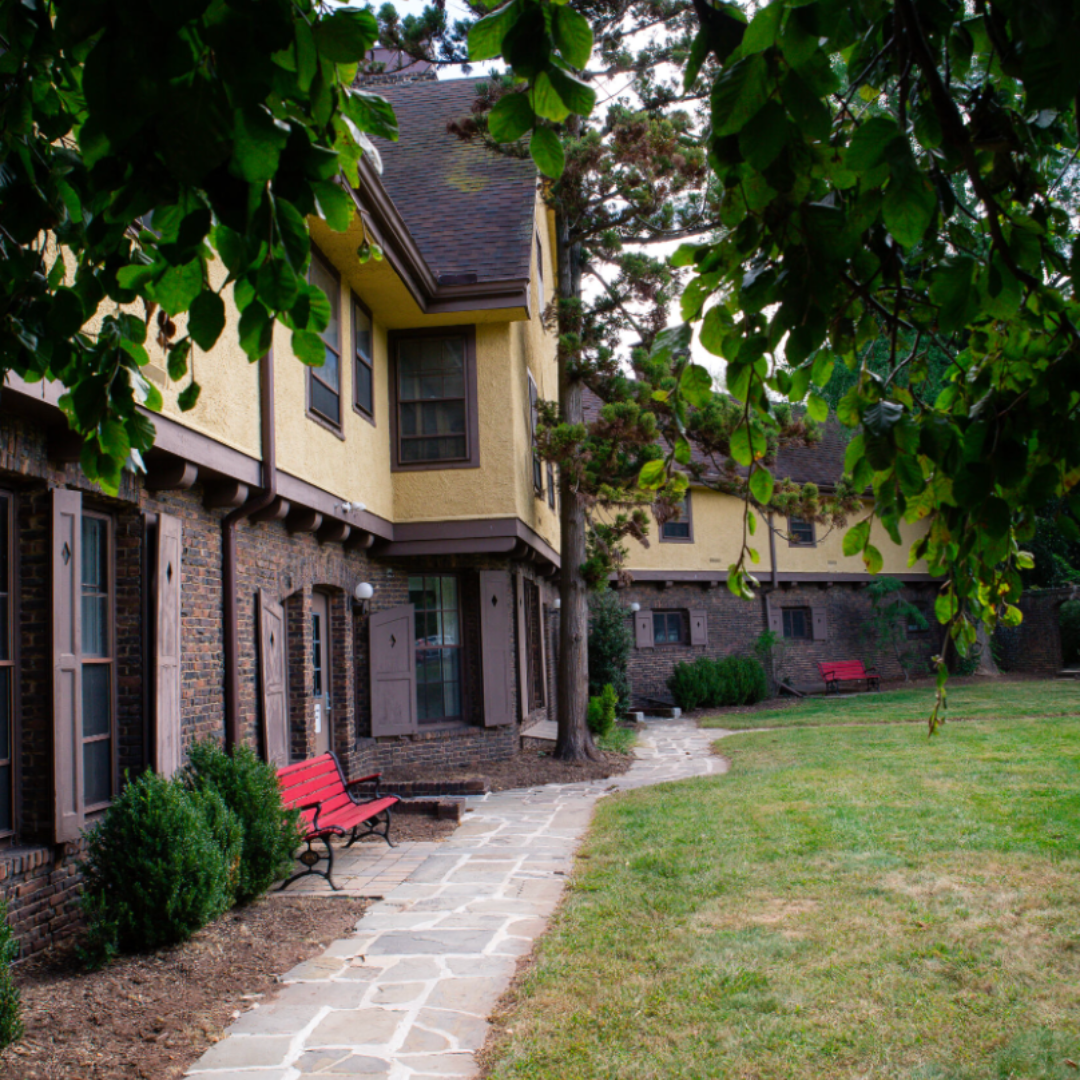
251	791
705	683
158	866
11	1027
611	638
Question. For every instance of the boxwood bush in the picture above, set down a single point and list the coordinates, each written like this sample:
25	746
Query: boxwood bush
251	791
11	1028
159	866
706	683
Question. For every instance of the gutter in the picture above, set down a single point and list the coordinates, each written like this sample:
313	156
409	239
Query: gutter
230	613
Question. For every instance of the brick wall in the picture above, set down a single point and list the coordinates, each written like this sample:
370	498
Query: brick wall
734	625
1034	647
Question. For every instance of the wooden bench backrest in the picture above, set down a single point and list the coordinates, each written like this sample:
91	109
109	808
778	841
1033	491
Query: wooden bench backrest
851	669
317	780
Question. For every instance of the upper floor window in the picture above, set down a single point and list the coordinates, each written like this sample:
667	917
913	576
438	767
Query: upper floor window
434	418
324	383
551	484
364	366
801	532
539	270
680	529
537	464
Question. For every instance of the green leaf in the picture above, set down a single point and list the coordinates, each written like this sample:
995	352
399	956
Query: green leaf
178	287
854	452
486	35
696	385
113	437
206	319
822	369
577	96
546	100
952	288
908	209
763	29
910	475
1025	560
872	559
738	94
683	454
257	144
761	485
277	285
573	35
346	35
807	109
189	396
336	207
817	408
714	329
294	232
371	113
867	147
765	136
511	118
945	607
743	446
652	474
307	59
881	418
699	52
547	152
177	364
856	538
256	331
309	348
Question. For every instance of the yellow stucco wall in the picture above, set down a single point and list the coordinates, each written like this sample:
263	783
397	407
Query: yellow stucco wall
717	527
717	530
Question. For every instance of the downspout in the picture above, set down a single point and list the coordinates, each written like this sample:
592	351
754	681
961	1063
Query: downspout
230	615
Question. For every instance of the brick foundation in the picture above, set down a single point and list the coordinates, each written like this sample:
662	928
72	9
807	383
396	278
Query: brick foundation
1034	647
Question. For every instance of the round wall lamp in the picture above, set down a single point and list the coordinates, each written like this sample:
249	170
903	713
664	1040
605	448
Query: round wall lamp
635	608
558	603
363	593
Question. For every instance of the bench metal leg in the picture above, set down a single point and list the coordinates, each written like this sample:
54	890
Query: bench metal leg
311	858
371	829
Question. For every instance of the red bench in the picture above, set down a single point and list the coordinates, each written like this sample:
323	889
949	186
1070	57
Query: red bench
319	790
836	672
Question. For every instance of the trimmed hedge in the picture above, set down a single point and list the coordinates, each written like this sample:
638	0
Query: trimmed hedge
250	789
706	683
159	867
602	711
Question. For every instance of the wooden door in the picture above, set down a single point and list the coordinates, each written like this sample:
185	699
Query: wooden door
393	671
272	686
497	646
320	671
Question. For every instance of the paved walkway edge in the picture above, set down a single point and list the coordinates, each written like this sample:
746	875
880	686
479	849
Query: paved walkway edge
406	997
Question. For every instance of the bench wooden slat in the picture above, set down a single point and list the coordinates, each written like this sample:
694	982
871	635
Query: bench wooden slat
321	781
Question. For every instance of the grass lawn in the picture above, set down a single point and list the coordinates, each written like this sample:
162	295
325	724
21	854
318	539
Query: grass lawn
1008	700
845	903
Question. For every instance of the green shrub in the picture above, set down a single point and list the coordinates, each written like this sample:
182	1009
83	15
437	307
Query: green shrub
251	791
705	683
1069	615
611	638
156	870
602	711
11	1028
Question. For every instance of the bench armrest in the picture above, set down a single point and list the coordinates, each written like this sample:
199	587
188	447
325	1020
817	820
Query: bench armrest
372	778
316	806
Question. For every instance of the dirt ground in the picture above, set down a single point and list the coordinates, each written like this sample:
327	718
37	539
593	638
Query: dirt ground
150	1017
528	768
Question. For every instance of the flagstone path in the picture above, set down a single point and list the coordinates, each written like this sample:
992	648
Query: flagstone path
407	996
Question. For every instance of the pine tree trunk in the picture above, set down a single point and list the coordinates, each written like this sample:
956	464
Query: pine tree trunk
575	741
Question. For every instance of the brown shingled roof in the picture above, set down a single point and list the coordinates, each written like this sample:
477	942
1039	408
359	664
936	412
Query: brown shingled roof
821	464
471	210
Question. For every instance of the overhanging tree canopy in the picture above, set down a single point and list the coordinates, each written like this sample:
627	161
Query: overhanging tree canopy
137	142
899	170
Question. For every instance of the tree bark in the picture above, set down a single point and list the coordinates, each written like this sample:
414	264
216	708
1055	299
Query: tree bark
575	741
987	663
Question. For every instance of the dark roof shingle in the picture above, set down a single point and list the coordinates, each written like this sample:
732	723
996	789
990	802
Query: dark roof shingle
470	210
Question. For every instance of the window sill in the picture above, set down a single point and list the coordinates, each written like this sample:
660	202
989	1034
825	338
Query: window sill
334	429
676	539
369	417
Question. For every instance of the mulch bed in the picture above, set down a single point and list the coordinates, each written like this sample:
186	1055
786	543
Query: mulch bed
150	1017
528	768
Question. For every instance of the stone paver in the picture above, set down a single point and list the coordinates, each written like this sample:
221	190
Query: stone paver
407	995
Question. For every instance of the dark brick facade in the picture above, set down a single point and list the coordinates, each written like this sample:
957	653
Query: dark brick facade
1034	647
40	879
734	626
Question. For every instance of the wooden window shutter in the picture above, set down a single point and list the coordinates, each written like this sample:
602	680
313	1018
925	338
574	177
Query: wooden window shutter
393	671
820	623
699	628
776	620
67	662
497	645
273	689
167	702
643	629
